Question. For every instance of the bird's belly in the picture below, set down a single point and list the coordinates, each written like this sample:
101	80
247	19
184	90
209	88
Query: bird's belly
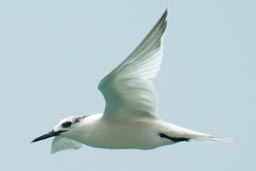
124	135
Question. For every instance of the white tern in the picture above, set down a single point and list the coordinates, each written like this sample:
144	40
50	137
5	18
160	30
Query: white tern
131	117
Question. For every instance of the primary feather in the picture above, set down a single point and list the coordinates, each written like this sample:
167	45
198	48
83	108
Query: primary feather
128	90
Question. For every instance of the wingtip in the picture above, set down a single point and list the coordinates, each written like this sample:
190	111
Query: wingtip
166	10
165	14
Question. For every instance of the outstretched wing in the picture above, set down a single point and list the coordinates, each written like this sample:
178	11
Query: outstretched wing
128	89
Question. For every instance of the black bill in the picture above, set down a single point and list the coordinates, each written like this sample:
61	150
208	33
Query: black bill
48	135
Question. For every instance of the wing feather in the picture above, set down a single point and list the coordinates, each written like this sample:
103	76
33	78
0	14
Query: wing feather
128	89
60	143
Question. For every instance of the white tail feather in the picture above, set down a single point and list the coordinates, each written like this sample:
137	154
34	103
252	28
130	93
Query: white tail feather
194	135
209	138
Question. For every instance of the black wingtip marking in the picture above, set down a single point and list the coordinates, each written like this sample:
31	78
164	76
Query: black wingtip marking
174	139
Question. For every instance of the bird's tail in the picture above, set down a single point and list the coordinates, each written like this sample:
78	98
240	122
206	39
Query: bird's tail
194	135
210	138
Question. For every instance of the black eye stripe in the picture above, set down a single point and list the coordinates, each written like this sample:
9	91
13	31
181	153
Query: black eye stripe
78	119
66	124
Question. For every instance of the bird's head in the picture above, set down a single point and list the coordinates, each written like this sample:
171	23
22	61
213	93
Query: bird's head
65	125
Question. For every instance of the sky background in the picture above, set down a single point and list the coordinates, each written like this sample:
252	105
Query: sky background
53	53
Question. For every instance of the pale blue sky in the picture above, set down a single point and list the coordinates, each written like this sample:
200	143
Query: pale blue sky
54	53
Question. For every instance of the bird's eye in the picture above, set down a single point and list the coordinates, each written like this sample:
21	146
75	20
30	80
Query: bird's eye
66	124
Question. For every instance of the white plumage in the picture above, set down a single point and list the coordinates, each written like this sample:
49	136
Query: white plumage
131	117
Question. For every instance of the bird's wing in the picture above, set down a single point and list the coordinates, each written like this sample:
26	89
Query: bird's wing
128	89
60	143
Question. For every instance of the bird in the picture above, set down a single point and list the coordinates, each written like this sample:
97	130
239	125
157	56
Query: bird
131	117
